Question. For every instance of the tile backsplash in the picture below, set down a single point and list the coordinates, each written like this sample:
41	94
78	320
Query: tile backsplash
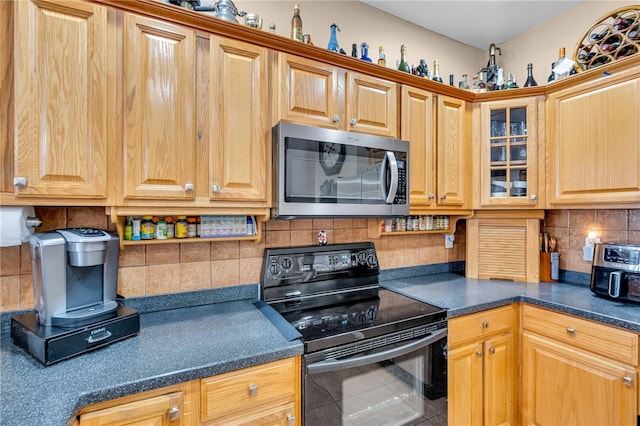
570	227
178	267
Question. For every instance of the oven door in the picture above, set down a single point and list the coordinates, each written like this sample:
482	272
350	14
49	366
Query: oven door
401	383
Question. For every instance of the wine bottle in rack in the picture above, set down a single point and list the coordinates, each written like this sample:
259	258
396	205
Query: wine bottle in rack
622	23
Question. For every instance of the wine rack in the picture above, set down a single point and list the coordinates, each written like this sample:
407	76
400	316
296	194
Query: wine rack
614	36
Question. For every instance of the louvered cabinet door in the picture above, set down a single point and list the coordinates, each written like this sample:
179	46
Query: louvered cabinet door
502	248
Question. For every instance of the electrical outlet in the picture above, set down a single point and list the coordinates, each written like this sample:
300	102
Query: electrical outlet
448	240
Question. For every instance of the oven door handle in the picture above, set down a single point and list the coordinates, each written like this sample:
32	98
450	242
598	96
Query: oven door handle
335	365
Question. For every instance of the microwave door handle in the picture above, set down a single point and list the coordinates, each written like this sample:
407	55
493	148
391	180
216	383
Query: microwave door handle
614	284
336	365
390	163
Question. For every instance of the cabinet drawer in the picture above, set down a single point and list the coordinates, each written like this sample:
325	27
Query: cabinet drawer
249	391
473	326
600	339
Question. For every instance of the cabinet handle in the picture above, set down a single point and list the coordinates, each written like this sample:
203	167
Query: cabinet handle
20	181
432	196
336	118
534	197
571	331
492	350
174	414
628	381
188	187
291	420
253	390
215	188
353	121
485	324
479	354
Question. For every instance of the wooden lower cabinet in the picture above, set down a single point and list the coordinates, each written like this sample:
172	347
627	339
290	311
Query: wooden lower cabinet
577	372
265	395
482	368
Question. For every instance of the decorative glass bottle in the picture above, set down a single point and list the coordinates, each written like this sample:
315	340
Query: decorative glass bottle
333	39
296	24
382	58
530	80
403	65
364	52
436	71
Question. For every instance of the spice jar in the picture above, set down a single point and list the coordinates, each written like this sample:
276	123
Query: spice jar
181	227
147	228
191	227
161	229
171	227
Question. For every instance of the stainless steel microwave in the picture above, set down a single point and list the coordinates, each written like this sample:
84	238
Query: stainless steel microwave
333	173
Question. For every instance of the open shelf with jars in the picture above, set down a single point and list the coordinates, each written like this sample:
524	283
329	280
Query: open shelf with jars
614	36
413	225
257	217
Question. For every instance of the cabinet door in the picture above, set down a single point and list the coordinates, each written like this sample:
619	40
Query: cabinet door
417	127
508	153
372	105
500	373
563	385
452	150
163	410
594	142
61	78
239	130
308	92
464	383
159	110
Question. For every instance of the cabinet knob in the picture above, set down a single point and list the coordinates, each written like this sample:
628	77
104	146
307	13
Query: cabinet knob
485	324
432	196
353	121
20	181
534	197
492	350
174	414
253	390
571	331
479	354
188	187
628	381
336	118
291	420
215	188
443	197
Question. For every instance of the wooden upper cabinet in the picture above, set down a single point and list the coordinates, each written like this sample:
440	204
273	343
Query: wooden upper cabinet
308	92
593	142
372	105
417	127
507	152
238	121
453	172
323	95
159	110
62	74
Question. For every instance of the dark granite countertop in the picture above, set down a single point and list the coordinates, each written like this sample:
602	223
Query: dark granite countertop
173	346
463	296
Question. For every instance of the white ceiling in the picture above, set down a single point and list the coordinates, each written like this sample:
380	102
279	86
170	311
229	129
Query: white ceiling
476	23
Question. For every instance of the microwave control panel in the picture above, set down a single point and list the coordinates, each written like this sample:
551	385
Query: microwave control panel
401	193
621	256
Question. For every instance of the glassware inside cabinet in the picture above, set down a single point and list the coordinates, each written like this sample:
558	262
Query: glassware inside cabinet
508	152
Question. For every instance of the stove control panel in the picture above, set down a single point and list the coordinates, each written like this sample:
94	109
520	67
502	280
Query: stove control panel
326	262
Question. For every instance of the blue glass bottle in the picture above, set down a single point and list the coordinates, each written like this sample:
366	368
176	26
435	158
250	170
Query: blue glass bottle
333	39
364	52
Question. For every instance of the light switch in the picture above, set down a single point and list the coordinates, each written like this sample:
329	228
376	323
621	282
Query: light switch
448	240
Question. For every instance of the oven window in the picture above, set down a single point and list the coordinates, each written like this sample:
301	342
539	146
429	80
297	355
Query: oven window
392	392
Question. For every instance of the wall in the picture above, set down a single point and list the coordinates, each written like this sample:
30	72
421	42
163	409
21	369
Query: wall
540	45
170	268
570	227
359	22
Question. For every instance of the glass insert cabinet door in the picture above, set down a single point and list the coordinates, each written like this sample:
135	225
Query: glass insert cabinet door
510	152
